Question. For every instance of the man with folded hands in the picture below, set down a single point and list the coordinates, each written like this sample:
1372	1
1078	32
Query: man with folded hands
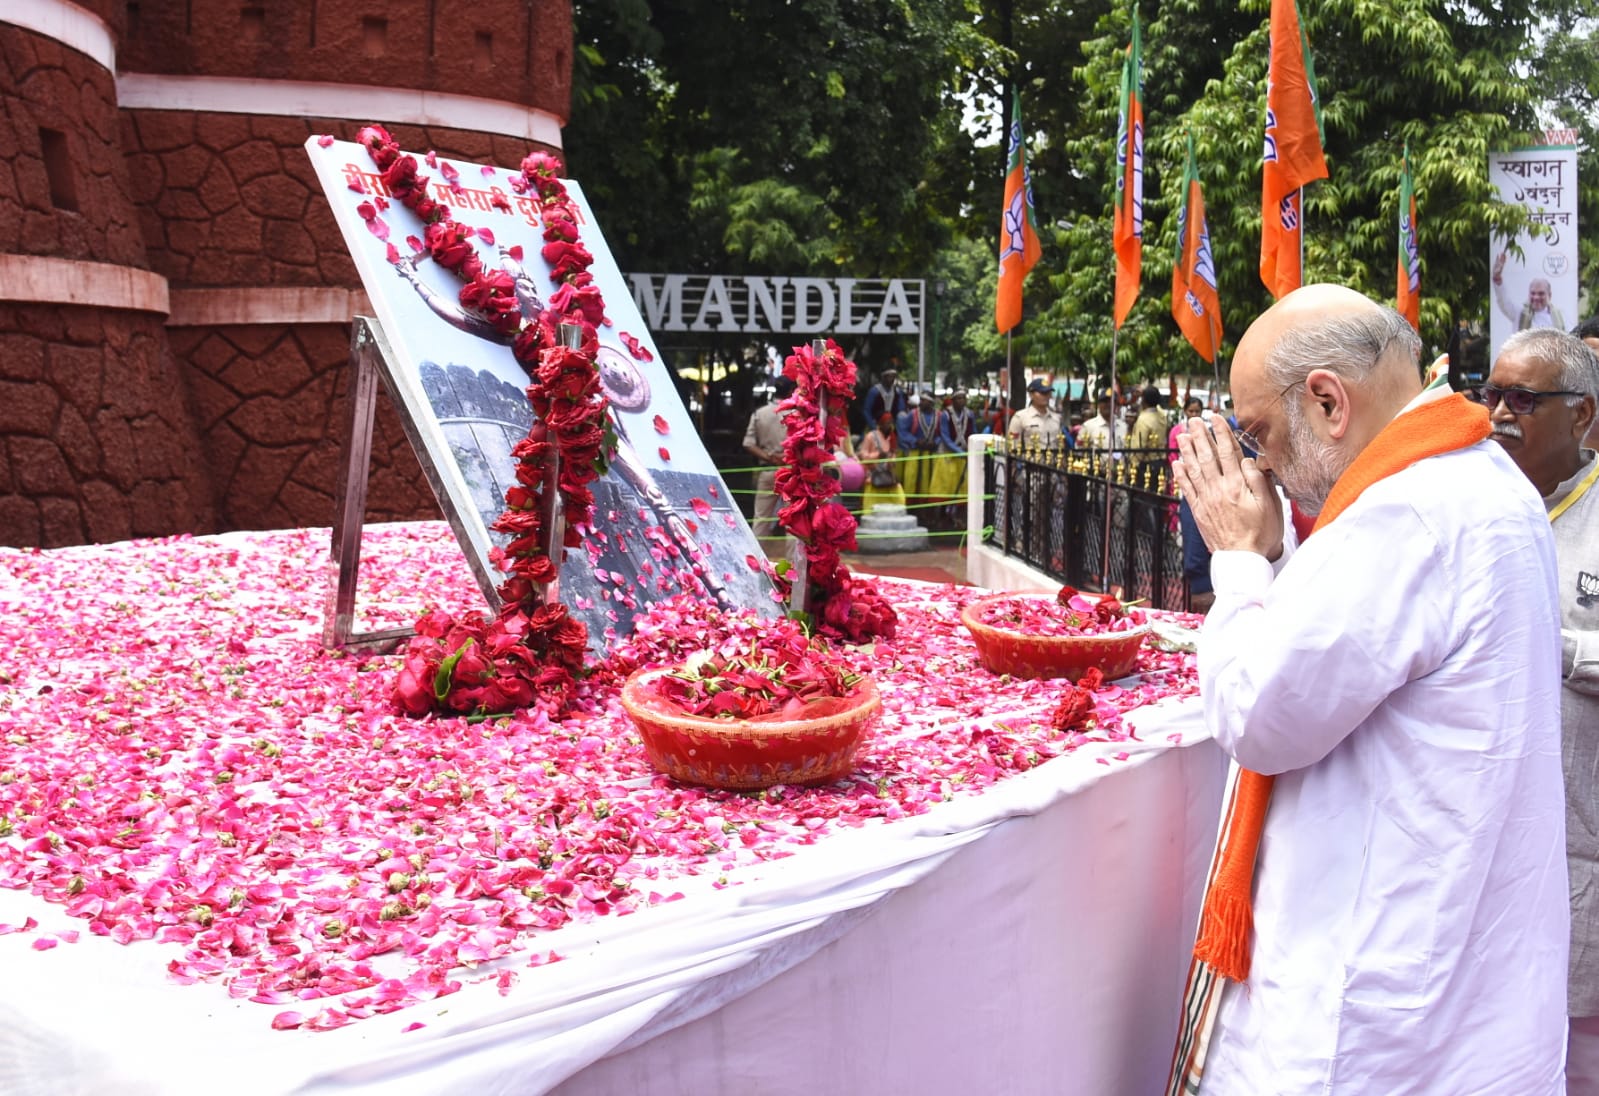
1388	909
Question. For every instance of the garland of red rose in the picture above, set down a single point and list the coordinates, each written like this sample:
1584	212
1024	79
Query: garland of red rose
532	650
840	606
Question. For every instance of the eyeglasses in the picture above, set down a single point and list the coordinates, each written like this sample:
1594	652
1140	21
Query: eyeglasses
1519	401
1247	438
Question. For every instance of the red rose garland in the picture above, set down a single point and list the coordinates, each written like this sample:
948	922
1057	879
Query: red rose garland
840	606
532	651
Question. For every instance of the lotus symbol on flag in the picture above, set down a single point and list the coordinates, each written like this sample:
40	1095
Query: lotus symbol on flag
1204	266
1412	259
1015	218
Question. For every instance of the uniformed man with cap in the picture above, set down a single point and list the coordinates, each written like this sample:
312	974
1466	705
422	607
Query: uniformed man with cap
1035	424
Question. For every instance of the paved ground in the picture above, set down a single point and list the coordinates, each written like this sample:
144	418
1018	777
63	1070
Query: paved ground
946	564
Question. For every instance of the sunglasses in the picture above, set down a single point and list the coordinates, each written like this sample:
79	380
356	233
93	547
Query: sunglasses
1519	401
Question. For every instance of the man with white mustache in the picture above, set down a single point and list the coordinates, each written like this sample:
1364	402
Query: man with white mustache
1541	397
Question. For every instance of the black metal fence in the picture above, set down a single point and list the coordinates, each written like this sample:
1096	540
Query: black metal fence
1048	507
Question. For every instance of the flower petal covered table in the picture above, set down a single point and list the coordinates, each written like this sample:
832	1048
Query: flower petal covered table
224	861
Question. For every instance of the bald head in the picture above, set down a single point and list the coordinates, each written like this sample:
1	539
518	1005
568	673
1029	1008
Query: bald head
1334	329
1317	377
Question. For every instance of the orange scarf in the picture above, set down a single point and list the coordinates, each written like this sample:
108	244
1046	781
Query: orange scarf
1226	922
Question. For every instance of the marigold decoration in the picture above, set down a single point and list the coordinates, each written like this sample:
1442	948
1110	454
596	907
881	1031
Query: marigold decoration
532	652
840	606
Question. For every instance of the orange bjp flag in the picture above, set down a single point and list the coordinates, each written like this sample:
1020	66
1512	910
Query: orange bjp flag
1408	300
1293	155
1129	223
1018	235
1195	304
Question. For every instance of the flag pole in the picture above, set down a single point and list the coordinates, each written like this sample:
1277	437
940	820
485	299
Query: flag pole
1215	362
1302	226
1110	451
1010	390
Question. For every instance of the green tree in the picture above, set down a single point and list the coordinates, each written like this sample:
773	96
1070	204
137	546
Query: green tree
1566	78
864	138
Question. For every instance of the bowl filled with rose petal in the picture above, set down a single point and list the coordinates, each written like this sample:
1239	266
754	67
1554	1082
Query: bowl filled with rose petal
781	709
1040	635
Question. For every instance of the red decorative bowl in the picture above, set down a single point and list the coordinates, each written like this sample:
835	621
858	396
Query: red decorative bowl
1018	654
748	753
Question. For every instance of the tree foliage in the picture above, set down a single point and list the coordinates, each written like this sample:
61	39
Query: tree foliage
861	137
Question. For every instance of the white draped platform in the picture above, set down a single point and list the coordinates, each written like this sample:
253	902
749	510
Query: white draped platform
1032	938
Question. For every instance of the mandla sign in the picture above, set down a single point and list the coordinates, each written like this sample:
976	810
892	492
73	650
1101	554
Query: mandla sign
758	304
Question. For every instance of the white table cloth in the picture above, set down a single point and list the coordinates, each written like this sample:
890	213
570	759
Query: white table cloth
1030	938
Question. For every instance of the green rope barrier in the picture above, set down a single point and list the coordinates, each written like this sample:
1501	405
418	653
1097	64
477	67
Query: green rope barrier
910	459
877	536
930	534
956	502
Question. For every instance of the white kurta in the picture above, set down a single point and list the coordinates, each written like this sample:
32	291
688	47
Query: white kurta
1400	674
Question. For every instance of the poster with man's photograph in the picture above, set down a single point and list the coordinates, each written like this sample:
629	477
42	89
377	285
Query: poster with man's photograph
664	521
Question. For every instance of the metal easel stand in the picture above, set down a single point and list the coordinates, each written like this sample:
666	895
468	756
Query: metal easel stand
371	360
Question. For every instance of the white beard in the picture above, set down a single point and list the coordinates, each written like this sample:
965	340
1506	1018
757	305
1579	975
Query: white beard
1311	466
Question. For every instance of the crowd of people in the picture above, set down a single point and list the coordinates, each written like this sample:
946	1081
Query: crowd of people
911	450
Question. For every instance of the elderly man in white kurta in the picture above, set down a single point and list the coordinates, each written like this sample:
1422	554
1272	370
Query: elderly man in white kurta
1541	397
1397	678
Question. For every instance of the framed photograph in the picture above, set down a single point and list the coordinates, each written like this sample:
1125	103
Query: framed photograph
664	522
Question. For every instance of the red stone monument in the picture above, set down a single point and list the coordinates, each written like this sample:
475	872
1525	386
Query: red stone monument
175	299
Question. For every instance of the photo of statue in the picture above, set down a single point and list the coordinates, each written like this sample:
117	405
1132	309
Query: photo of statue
664	521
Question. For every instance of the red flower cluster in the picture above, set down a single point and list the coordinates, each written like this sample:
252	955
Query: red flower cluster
783	674
1076	709
533	649
481	667
851	610
1069	613
1095	609
400	173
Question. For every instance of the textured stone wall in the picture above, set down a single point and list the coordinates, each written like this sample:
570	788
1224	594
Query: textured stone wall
96	440
114	425
44	85
517	51
273	409
230	200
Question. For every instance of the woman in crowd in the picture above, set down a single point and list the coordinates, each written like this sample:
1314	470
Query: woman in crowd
877	451
1193	408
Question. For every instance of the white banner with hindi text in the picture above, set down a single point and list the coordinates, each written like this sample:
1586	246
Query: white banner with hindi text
1539	289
